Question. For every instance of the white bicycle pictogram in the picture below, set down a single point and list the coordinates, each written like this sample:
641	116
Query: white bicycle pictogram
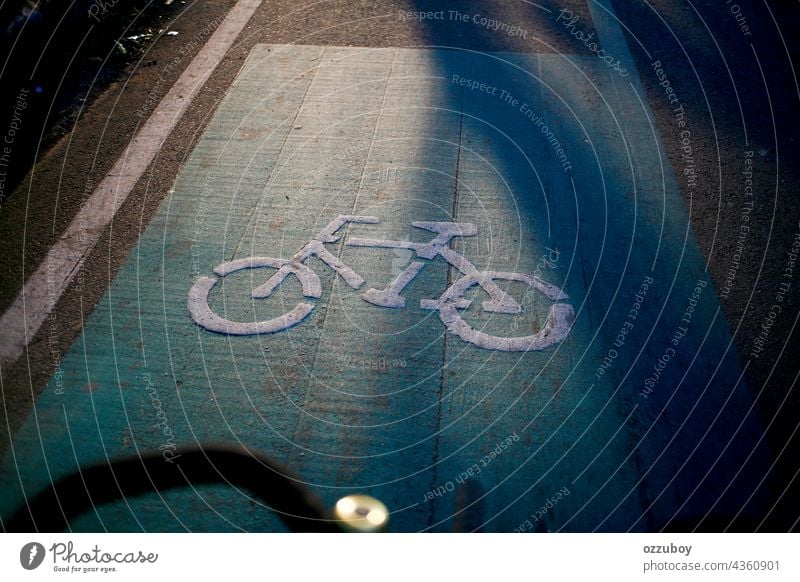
449	305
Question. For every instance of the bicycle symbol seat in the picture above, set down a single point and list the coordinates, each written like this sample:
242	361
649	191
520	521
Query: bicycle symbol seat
449	305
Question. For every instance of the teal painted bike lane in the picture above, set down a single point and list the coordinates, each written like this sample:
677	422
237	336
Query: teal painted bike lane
635	419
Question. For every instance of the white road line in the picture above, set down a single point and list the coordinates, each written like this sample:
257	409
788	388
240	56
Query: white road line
43	289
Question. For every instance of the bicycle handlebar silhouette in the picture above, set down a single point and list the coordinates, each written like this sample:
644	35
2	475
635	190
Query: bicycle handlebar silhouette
73	495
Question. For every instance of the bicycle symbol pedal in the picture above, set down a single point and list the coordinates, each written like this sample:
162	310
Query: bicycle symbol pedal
452	301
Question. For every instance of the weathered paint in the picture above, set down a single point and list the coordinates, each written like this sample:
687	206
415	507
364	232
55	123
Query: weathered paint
559	319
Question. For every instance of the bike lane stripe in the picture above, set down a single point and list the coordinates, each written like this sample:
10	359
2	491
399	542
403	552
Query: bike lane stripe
255	387
372	404
121	385
530	407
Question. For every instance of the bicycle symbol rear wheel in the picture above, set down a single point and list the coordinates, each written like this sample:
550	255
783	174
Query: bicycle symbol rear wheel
205	317
559	320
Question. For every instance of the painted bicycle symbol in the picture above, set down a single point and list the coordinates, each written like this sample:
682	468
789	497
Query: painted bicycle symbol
449	304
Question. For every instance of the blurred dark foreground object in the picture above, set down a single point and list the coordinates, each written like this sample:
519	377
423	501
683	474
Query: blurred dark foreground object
301	511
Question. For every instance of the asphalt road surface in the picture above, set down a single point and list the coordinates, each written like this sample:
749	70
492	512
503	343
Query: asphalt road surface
625	171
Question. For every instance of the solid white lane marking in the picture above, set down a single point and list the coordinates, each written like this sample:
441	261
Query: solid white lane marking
44	287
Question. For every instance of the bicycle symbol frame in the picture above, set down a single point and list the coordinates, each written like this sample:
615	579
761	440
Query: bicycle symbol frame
559	320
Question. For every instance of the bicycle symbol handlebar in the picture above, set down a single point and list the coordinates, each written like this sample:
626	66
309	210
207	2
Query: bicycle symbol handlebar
449	305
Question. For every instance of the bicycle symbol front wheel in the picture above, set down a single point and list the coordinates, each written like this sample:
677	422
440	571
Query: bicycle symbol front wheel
205	317
559	320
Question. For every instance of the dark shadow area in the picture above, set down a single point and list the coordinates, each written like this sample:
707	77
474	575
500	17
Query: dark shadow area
697	444
733	66
56	57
